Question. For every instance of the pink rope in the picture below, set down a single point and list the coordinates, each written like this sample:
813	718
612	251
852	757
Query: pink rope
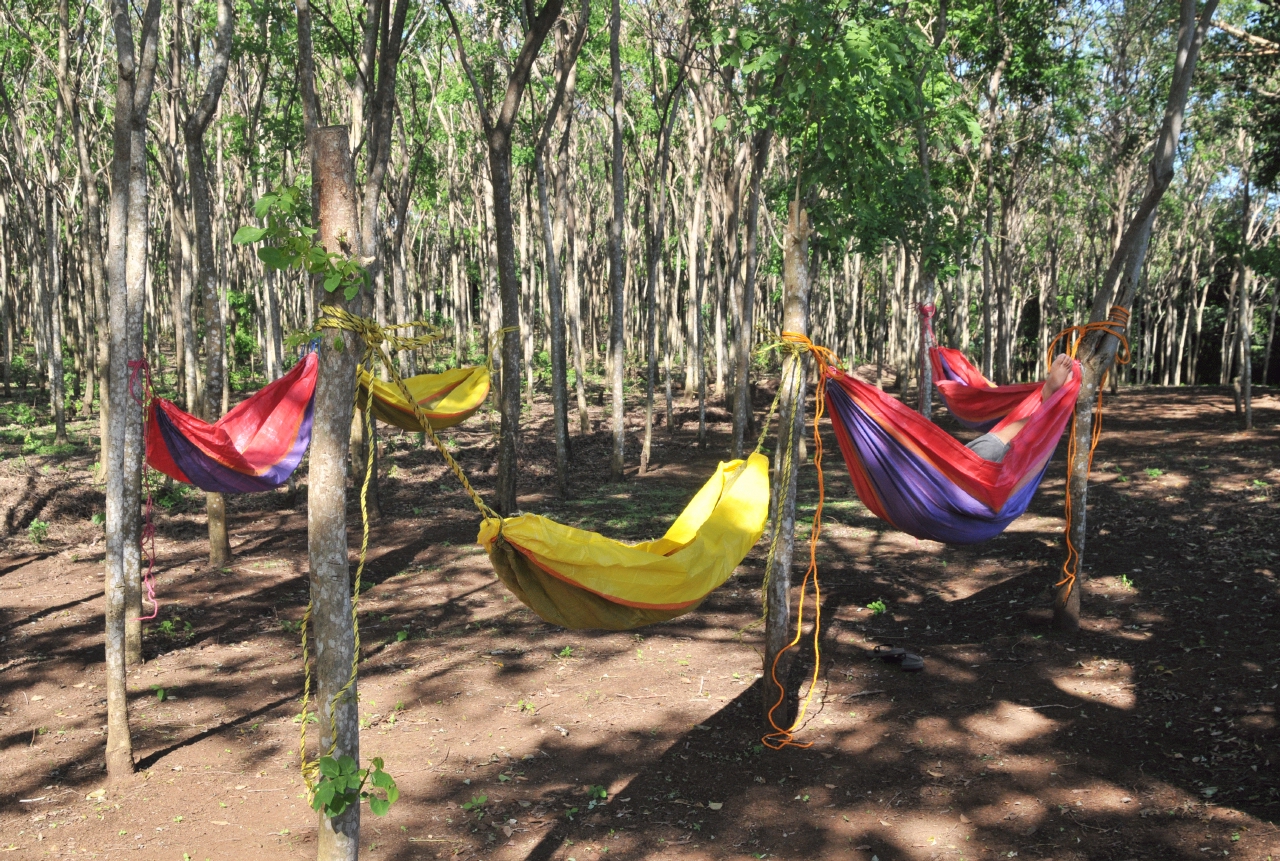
140	369
927	313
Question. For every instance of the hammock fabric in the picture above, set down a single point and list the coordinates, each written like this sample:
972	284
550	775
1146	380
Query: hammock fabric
446	399
975	401
253	448
580	580
921	480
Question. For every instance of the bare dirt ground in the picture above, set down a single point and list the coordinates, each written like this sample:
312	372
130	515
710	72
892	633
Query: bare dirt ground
1151	734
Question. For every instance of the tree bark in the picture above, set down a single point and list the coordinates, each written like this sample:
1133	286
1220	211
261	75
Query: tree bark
331	598
655	219
795	318
555	288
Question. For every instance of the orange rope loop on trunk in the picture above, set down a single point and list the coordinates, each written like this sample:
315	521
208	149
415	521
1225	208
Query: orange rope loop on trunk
796	344
1116	325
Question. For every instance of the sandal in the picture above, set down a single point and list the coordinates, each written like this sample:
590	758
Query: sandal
889	654
912	663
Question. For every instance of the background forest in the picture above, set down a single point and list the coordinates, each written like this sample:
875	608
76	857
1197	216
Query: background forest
994	146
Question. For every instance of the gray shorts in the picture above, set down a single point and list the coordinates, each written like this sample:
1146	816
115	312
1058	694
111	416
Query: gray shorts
989	447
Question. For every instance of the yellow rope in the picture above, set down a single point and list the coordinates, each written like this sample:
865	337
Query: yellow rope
379	344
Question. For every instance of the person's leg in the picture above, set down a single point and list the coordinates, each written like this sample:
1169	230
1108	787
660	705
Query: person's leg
1059	373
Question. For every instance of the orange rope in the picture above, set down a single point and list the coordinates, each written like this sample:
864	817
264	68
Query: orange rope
1116	325
780	738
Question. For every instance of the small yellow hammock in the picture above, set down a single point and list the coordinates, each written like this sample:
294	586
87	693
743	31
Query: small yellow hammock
571	577
446	399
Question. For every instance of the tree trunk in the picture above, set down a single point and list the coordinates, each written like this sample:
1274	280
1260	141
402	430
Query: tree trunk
568	57
617	308
742	388
497	131
656	214
795	318
1098	350
334	632
126	272
206	281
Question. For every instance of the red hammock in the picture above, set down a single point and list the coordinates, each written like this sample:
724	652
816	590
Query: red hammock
253	448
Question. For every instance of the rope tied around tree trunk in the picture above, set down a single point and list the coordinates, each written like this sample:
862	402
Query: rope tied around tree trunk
379	343
1116	325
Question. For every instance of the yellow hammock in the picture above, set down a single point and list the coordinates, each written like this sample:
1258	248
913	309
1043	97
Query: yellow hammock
579	579
446	399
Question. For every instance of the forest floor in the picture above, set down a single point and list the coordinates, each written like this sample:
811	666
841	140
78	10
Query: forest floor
1152	733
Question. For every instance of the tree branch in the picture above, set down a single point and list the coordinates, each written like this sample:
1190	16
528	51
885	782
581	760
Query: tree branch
466	67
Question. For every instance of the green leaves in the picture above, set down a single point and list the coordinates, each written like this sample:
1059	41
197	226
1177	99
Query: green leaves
342	784
290	243
248	234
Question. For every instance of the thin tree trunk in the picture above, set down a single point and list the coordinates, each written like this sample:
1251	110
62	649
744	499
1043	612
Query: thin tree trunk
126	271
795	318
498	131
568	57
617	298
206	281
742	388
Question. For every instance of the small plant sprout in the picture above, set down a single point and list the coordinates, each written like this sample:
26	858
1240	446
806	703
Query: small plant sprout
476	804
1153	472
1126	582
566	652
38	531
597	795
877	607
342	784
160	692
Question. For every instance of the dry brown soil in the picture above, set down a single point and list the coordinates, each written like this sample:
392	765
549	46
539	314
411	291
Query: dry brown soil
1150	734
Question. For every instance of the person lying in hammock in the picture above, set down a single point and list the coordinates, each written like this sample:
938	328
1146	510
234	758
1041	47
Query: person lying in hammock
994	446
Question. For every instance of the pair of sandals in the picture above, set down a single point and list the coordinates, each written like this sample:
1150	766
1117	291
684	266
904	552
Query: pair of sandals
908	662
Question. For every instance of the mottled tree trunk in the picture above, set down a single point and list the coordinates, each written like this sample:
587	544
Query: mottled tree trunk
795	318
126	273
497	129
333	629
742	369
568	57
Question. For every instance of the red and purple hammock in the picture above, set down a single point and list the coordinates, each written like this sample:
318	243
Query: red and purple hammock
253	448
921	480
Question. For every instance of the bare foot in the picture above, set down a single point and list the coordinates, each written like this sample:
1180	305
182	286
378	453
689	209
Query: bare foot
1059	373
